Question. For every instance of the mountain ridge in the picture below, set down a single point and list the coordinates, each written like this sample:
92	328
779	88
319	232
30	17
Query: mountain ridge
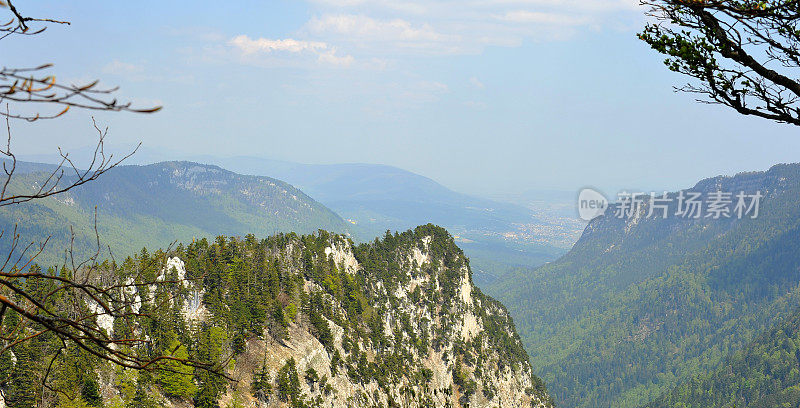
140	205
301	321
640	304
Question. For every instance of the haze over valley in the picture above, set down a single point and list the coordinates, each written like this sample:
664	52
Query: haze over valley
400	204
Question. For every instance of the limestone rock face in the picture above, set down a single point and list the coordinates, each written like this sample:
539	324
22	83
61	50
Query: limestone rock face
461	342
317	321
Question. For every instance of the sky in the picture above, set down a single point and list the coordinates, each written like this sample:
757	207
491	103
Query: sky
486	97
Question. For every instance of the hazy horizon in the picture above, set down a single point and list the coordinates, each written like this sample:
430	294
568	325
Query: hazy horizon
494	98
146	156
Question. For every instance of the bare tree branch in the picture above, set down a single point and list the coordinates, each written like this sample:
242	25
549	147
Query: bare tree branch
68	303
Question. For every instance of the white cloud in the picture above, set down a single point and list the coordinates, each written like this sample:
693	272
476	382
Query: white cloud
251	46
118	67
428	7
363	31
411	7
376	34
323	52
360	25
447	27
537	17
330	57
475	82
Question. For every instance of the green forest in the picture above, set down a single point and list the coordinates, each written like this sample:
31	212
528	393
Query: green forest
636	309
764	373
254	289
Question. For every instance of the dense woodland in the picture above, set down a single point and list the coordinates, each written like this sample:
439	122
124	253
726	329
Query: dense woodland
764	373
636	308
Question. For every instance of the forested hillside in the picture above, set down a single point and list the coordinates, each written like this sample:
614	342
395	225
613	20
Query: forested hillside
300	321
765	373
156	205
640	305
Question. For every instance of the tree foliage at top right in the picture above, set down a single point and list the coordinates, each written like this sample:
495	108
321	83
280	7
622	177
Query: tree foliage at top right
742	54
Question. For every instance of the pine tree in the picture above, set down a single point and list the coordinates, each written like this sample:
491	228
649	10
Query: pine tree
176	378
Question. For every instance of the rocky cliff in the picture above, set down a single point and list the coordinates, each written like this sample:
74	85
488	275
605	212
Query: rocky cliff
313	321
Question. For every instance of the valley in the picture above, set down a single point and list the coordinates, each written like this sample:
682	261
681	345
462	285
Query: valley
641	305
624	291
400	204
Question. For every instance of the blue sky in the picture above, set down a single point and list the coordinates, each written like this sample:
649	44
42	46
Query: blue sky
492	96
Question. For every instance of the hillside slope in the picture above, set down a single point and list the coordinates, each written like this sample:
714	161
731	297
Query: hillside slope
765	373
305	321
641	304
157	204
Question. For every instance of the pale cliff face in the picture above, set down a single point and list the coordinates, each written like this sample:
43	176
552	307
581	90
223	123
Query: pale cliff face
454	346
508	385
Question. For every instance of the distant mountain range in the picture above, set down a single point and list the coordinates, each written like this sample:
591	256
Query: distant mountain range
375	198
499	235
161	203
641	305
378	197
526	229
